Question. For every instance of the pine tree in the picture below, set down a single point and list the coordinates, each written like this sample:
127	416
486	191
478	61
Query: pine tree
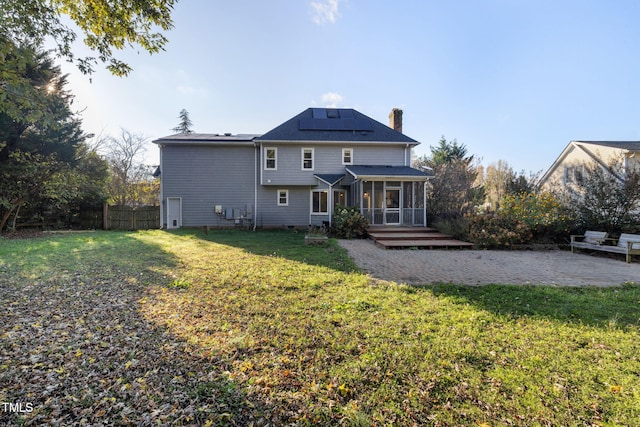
185	123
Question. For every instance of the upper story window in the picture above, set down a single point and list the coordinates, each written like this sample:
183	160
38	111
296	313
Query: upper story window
347	156
307	158
271	158
574	174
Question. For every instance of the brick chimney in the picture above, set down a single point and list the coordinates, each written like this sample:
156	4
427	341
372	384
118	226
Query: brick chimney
395	119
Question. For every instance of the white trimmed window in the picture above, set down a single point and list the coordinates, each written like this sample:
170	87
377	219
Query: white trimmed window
319	202
307	158
347	156
271	158
283	197
574	174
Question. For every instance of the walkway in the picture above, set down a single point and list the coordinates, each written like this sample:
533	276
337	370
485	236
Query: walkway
479	267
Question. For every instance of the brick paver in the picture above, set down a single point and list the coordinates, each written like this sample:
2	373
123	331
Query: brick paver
479	267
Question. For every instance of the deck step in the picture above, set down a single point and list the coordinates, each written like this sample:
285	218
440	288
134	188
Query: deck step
413	237
423	244
409	236
400	229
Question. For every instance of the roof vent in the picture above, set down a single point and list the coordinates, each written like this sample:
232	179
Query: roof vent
227	134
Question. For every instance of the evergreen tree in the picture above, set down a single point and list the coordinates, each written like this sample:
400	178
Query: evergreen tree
44	163
185	123
452	191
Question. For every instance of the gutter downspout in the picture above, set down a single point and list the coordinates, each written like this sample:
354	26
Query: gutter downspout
162	202
255	186
330	202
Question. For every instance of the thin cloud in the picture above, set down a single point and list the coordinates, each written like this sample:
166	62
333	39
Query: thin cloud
325	11
331	99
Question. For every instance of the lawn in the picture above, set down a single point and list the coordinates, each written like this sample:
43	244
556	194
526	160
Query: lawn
255	328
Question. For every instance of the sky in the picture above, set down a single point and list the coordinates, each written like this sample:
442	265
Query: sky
512	80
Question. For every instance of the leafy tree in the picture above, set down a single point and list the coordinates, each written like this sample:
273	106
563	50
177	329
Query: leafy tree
105	25
452	191
25	26
500	180
606	198
128	174
497	178
43	163
185	123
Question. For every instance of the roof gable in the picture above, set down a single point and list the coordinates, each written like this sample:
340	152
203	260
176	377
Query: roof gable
334	125
624	146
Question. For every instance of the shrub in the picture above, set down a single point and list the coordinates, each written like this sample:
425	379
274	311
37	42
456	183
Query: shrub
546	216
458	228
349	223
497	231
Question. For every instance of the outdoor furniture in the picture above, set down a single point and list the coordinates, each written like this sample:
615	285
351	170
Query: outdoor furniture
627	244
590	240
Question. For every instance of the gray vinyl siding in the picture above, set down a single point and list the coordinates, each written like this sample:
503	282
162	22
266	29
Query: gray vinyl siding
296	214
205	177
326	160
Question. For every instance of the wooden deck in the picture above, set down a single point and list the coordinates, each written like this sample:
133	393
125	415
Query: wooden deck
390	237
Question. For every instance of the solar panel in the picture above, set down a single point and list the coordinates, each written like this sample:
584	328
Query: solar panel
319	113
342	123
346	114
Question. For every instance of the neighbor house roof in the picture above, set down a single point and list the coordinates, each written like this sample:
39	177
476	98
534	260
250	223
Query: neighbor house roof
625	146
206	139
391	172
334	125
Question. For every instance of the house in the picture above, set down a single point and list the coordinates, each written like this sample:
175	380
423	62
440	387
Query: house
569	167
294	175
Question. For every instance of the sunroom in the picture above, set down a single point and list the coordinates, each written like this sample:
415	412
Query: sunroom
389	195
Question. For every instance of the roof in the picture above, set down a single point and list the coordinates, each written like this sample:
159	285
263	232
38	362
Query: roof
393	172
329	178
335	125
206	139
623	145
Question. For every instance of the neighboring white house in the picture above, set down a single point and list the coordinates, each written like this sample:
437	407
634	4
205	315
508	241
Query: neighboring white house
569	167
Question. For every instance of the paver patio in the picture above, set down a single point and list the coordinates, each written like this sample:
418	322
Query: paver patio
480	267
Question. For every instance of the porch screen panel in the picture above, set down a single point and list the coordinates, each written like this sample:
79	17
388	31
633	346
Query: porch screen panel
367	202
418	205
407	205
378	202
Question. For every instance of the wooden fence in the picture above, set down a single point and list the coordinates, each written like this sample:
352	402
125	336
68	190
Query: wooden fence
121	217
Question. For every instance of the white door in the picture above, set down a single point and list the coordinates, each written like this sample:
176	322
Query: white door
174	212
392	206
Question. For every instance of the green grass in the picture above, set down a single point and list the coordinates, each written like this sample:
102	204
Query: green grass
236	327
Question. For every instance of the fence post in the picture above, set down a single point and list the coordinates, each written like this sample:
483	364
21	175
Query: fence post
105	216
